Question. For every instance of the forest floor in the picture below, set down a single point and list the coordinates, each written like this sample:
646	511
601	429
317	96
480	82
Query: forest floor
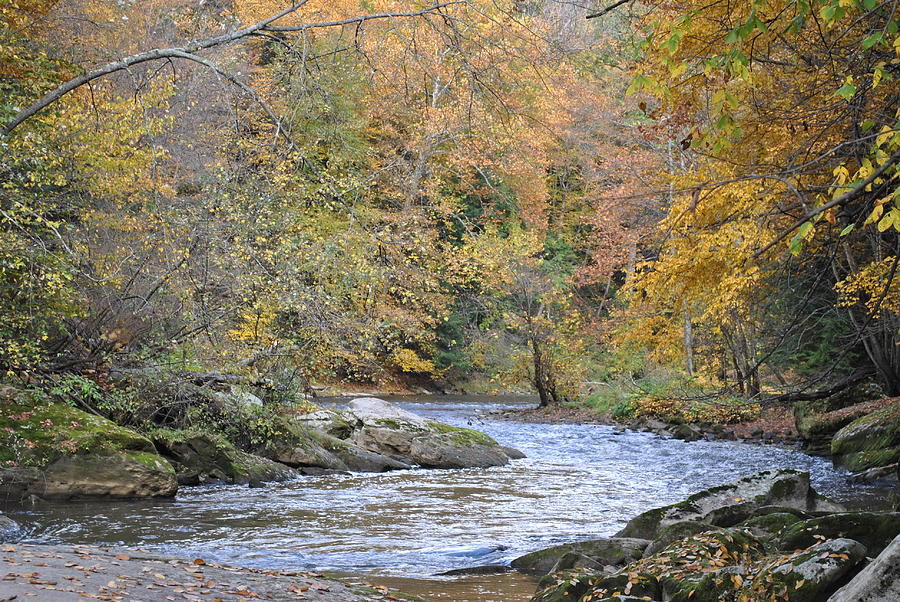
60	573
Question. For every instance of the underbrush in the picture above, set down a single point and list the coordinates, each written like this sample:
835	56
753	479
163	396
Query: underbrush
667	396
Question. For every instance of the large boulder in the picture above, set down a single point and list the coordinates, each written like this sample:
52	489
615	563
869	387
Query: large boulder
124	475
870	441
609	551
55	451
809	575
878	582
872	529
728	505
205	458
318	440
385	429
817	421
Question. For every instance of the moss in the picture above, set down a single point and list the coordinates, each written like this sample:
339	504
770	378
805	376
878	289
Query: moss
463	436
35	432
873	530
153	461
870	441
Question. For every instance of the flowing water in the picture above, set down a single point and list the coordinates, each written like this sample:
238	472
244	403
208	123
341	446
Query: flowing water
578	482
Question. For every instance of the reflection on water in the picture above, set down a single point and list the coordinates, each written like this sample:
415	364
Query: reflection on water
579	481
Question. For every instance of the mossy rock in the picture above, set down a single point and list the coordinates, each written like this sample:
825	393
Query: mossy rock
870	441
818	421
609	551
204	457
565	587
767	526
810	575
54	451
715	586
35	432
676	531
575	587
124	475
872	529
729	504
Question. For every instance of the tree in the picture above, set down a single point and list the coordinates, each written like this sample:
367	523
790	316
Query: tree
788	113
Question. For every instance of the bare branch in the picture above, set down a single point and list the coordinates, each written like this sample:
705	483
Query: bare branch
361	19
141	57
608	9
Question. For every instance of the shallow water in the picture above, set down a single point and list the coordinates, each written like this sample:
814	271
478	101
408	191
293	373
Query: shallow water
579	481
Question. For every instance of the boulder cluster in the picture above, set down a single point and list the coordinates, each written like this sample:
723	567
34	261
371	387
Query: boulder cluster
766	536
53	451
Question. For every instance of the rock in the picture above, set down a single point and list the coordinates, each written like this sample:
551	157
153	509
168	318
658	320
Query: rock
385	429
450	450
878	582
376	412
767	526
125	475
687	432
9	529
331	422
59	452
817	422
674	532
874	530
512	453
575	561
870	441
728	505
682	566
811	574
889	473
609	551
485	569
206	458
575	587
711	587
236	398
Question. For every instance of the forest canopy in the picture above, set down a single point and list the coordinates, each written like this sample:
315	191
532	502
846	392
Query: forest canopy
481	193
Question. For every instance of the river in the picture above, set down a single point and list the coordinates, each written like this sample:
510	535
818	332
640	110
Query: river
402	528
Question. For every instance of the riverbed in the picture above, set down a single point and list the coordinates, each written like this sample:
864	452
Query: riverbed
578	482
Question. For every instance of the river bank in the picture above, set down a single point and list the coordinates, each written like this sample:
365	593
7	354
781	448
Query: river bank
403	528
57	573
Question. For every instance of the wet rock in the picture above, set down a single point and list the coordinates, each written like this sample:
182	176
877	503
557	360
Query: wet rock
687	432
878	582
870	441
614	551
872	529
449	450
9	529
810	575
728	505
485	569
512	453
